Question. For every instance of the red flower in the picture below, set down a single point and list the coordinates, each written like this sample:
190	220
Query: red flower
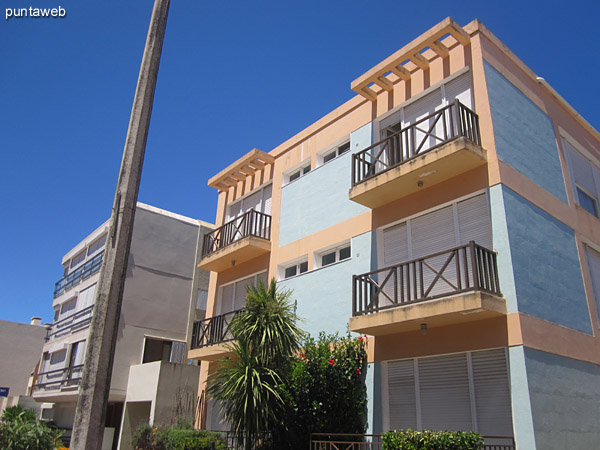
358	371
359	338
331	362
302	355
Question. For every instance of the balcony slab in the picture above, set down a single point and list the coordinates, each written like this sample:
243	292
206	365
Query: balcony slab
236	253
209	352
472	306
437	165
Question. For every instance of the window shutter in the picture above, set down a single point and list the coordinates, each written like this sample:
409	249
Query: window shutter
433	233
240	293
86	297
460	88
593	260
233	210
252	202
474	221
445	396
492	393
227	300
395	251
401	394
266	204
178	352
582	169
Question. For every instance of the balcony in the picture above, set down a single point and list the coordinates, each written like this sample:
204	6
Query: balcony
75	322
209	335
238	241
438	147
56	381
454	286
77	276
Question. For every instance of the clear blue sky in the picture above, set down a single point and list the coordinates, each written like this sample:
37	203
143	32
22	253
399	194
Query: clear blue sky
234	75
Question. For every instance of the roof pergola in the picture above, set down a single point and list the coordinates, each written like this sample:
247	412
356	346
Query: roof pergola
247	165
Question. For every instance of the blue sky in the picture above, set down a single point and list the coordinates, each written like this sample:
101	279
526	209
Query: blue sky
234	75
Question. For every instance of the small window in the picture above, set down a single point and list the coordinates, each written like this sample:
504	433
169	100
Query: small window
336	152
334	255
587	202
295	269
299	173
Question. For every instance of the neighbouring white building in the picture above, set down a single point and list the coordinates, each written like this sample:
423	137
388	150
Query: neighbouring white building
151	346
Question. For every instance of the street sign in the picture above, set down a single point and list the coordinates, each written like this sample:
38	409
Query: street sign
4	392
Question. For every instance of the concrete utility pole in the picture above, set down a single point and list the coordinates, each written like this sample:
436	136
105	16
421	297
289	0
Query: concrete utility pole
88	428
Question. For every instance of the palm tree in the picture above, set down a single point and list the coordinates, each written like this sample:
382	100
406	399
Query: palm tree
250	384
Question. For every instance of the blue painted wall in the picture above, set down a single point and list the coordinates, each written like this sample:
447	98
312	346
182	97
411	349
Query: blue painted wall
565	399
319	199
324	295
545	263
524	134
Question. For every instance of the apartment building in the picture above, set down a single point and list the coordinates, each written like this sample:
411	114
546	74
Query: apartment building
449	210
151	372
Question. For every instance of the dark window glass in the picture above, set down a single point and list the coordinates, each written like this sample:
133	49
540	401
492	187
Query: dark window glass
587	202
328	258
295	176
344	148
290	271
345	253
328	157
156	350
303	267
305	170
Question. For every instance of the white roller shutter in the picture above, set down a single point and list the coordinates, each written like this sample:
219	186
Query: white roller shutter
459	88
395	251
402	395
445	396
492	393
227	299
434	233
86	297
419	110
474	221
266	203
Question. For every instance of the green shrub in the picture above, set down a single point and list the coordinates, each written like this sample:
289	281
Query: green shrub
432	440
173	438
11	413
22	432
326	391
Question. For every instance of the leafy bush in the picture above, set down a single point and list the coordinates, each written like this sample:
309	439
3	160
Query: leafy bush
19	430
171	438
326	391
432	440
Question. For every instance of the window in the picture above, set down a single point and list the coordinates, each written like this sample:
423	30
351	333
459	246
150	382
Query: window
164	350
233	295
77	260
297	173
96	247
295	269
328	156
334	255
593	260
585	177
259	200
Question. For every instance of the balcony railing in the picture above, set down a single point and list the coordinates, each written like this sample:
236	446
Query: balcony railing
78	275
71	324
251	223
214	330
445	125
54	380
470	267
325	441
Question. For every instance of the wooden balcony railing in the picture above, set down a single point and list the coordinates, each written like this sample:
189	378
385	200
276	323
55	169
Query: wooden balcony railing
214	330
57	379
470	267
445	125
71	324
251	223
325	441
78	275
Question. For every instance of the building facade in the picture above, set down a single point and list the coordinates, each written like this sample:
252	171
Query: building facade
151	345
19	355
450	212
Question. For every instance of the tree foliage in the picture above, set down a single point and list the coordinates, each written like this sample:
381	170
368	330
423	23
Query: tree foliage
251	384
20	430
326	390
432	440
